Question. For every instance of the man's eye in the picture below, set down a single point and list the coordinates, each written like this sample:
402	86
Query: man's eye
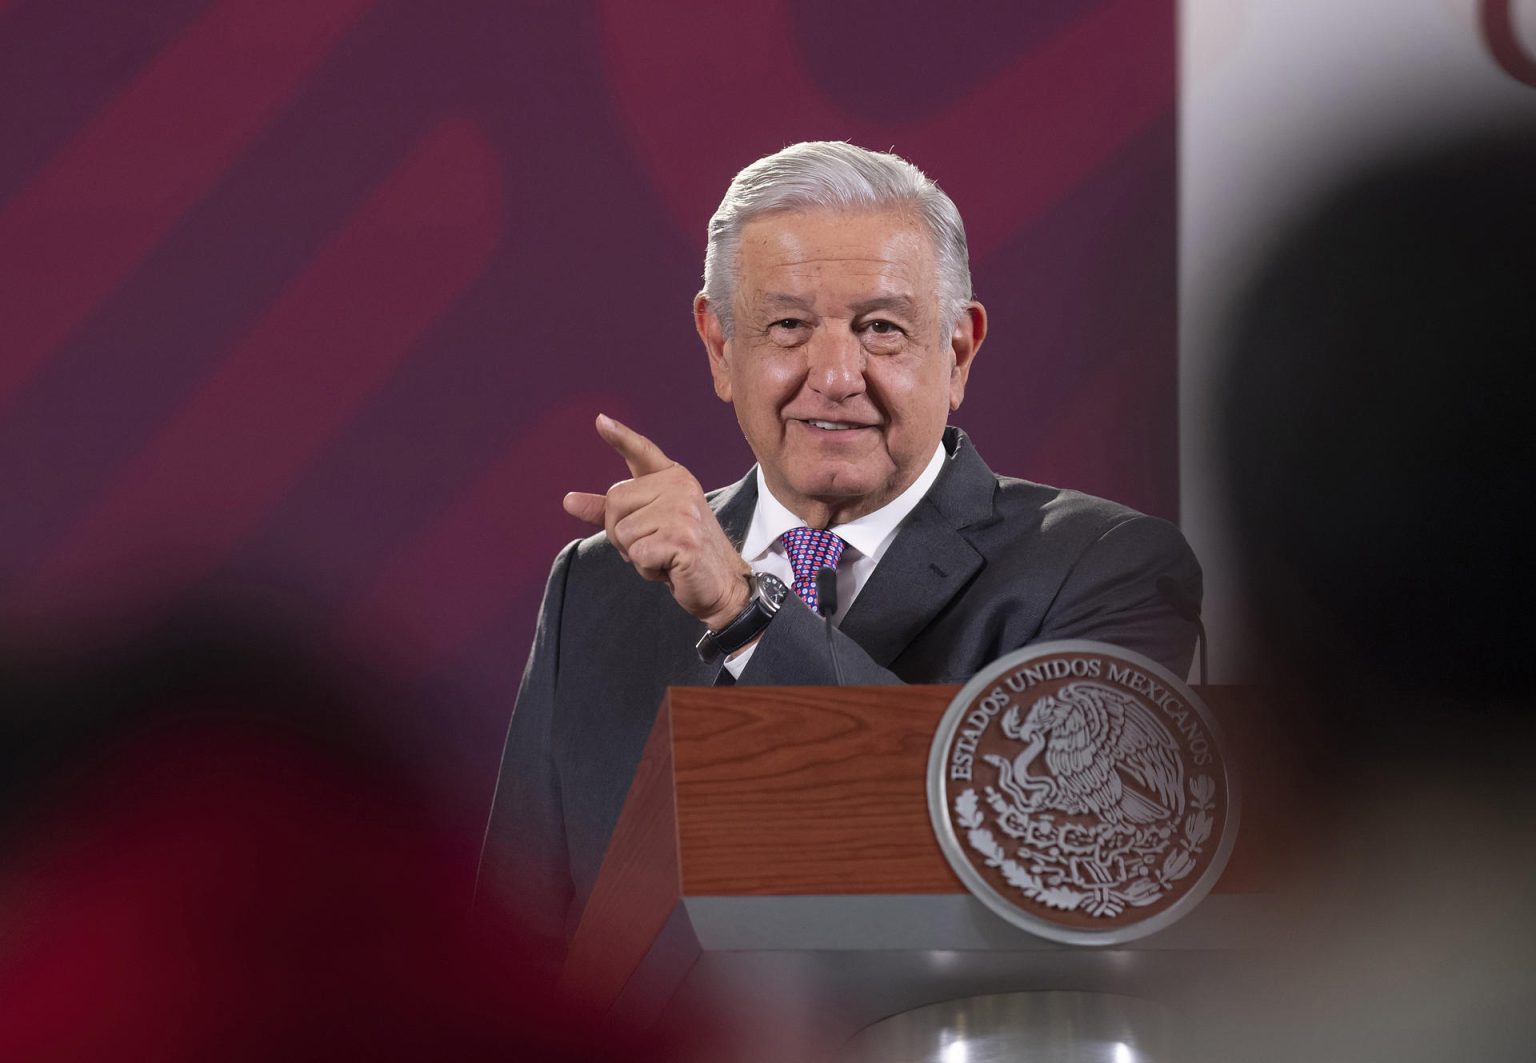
787	331
881	327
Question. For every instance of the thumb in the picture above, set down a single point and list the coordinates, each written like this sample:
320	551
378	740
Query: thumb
584	506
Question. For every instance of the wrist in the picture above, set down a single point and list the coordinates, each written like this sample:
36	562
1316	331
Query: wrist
733	605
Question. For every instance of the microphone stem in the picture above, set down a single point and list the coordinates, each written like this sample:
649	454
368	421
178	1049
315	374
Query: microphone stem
826	605
837	665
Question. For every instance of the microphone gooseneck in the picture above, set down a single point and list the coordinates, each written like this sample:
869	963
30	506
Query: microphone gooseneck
826	605
1187	607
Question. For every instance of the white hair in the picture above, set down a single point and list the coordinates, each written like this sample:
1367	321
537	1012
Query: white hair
835	175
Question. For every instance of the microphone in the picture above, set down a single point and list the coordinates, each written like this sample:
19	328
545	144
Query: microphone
826	605
1188	608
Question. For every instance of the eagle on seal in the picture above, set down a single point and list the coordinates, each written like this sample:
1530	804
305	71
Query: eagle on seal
1095	739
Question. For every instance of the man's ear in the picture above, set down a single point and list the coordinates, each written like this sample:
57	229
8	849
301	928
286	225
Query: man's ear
970	329
716	346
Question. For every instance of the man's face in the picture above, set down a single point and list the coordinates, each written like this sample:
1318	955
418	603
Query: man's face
841	381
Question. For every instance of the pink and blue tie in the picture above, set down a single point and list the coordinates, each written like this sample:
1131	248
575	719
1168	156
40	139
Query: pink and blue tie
809	550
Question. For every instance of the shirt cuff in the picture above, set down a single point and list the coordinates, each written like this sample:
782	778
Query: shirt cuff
738	664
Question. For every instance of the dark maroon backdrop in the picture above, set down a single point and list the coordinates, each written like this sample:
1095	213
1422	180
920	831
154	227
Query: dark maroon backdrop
317	299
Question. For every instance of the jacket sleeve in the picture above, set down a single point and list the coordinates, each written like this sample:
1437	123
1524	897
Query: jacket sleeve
794	651
524	863
1111	593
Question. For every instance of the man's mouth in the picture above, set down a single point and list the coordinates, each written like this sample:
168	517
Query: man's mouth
834	426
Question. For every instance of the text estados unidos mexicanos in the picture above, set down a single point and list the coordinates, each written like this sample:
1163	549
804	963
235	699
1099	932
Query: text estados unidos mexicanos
963	755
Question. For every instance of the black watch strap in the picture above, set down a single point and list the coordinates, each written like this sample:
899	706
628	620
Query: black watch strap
767	594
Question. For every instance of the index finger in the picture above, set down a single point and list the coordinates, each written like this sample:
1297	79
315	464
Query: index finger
639	453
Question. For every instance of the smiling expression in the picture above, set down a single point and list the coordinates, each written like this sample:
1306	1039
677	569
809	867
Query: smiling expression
841	381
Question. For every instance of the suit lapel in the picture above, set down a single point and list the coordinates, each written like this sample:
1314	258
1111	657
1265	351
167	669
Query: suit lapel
733	506
929	562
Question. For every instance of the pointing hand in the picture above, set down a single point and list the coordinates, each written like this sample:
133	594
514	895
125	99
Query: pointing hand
660	523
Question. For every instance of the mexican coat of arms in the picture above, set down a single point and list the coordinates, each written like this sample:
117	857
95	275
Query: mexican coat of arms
1080	791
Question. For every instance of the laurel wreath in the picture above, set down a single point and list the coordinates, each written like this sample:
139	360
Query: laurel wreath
1102	901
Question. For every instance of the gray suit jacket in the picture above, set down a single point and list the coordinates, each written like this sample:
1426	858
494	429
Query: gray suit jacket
983	565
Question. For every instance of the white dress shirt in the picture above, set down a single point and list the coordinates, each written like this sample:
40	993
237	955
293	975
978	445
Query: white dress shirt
868	538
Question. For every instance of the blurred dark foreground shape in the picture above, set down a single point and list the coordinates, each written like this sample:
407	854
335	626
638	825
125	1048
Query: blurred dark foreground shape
1377	409
206	853
1380	451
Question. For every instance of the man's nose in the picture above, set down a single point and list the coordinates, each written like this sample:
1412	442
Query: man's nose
836	366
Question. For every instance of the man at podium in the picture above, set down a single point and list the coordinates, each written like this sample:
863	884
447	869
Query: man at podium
838	320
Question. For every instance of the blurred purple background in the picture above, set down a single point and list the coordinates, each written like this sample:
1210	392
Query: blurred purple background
312	303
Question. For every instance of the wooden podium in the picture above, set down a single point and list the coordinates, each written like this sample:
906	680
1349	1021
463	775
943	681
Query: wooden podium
780	837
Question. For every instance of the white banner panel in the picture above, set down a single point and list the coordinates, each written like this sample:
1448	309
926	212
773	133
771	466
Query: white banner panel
1277	98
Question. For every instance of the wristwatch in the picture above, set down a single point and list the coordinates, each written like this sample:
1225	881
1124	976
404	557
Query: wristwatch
767	594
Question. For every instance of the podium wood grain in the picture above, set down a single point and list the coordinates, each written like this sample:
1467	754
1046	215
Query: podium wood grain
785	790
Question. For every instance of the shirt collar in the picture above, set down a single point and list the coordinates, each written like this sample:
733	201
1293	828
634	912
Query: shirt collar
869	534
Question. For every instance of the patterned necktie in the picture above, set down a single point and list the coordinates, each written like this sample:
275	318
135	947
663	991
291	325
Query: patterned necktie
810	549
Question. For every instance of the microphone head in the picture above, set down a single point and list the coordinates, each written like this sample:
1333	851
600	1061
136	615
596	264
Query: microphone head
826	590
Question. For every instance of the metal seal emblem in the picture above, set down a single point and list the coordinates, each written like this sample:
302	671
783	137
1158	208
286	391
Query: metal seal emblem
1081	792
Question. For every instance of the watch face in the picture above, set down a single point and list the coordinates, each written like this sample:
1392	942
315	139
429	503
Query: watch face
772	590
